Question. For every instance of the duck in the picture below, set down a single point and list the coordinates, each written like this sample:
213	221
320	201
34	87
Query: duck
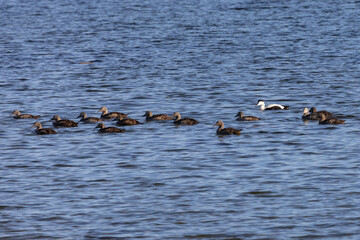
42	131
183	121
306	115
63	122
86	119
226	131
241	117
18	115
150	117
326	113
111	115
261	103
104	129
126	121
325	120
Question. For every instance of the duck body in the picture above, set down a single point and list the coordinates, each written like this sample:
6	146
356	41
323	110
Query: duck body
261	103
86	119
158	117
126	121
104	129
43	131
241	117
111	115
310	116
315	112
226	131
58	122
18	115
334	121
183	121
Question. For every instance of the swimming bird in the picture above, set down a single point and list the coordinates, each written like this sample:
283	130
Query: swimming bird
226	131
63	122
104	129
86	119
241	117
306	115
261	103
18	115
42	131
326	113
325	120
149	116
183	121
126	121
111	115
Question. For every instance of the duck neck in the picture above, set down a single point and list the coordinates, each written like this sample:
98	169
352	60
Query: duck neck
221	126
262	106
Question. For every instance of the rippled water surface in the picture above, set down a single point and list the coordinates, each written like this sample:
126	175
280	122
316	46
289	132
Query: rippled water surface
282	178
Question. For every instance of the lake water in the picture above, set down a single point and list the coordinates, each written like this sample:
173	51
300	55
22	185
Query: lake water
282	178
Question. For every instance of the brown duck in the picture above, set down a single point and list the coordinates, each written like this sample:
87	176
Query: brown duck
150	117
310	116
126	121
226	131
42	131
111	115
183	121
104	129
325	120
314	112
86	119
18	115
63	122
241	117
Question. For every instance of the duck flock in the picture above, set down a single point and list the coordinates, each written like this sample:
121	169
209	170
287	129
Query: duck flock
122	119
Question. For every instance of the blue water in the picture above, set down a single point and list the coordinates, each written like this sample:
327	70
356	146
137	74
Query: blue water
282	178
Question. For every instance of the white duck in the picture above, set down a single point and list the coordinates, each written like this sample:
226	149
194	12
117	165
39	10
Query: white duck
261	103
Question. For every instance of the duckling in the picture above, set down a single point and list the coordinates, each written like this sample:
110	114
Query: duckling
241	117
326	113
126	121
111	115
149	116
18	115
325	120
226	131
86	119
104	129
183	121
42	131
310	116
261	103
63	122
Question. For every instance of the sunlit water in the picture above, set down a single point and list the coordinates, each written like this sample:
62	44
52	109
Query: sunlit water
282	178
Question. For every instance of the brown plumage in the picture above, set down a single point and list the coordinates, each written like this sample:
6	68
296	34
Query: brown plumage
86	119
226	131
63	122
325	120
150	117
104	129
111	115
183	121
126	121
18	115
314	112
310	116
241	117
42	131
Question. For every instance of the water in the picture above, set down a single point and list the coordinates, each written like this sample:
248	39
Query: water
281	179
